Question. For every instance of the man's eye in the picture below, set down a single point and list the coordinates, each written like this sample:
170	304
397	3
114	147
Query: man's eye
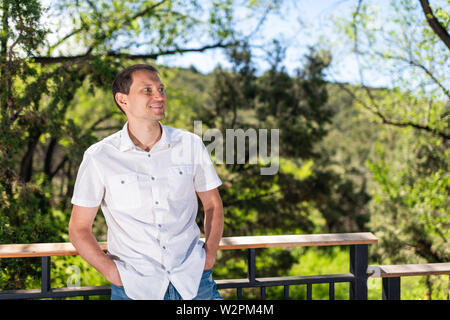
147	90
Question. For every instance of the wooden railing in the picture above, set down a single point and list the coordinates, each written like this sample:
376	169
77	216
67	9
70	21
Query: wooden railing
357	275
391	275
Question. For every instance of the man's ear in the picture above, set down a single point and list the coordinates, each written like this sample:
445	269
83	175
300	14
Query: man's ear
122	100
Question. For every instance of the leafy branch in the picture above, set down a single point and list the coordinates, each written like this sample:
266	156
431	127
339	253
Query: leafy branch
374	109
434	23
88	54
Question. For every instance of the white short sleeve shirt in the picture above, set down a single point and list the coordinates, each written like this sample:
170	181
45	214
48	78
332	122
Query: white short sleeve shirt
149	202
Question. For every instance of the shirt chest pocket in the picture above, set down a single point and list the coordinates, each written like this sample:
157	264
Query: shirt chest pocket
181	181
125	191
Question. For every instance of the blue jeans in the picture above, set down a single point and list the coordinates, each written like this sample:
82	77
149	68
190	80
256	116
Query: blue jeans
206	291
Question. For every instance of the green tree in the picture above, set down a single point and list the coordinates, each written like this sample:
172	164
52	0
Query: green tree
410	208
24	205
48	118
306	195
396	43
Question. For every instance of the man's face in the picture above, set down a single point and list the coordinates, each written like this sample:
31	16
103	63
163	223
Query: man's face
147	98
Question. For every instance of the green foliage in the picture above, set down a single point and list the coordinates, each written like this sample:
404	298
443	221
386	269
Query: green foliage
74	271
52	110
26	218
396	43
318	261
302	187
408	182
306	195
411	210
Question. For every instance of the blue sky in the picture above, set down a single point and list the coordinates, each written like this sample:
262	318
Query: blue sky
298	24
303	23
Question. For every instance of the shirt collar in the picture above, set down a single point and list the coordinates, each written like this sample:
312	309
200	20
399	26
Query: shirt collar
126	143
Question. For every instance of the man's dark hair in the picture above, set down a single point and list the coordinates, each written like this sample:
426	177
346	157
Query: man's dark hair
124	79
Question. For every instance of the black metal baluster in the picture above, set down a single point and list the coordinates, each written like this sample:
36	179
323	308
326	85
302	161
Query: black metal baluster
391	288
251	265
239	293
45	272
286	292
331	291
263	293
309	291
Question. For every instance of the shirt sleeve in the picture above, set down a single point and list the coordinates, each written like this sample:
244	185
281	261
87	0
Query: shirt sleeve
205	176
89	187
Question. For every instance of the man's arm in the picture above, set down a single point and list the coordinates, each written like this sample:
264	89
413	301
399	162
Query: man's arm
213	223
80	234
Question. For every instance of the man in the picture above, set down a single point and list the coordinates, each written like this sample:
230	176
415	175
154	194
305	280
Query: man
146	177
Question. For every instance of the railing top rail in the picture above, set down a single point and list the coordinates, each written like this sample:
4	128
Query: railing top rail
246	242
303	240
405	270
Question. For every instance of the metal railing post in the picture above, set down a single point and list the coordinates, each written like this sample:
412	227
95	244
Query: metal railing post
286	292
391	288
251	265
358	267
45	271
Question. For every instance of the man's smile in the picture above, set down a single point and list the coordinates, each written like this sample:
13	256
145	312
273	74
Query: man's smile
157	105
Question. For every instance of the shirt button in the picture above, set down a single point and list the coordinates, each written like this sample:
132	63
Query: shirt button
159	225
156	202
153	178
164	247
149	155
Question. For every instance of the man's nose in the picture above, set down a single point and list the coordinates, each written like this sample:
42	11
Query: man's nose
159	95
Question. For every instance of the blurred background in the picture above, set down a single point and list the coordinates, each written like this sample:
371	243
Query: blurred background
358	88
